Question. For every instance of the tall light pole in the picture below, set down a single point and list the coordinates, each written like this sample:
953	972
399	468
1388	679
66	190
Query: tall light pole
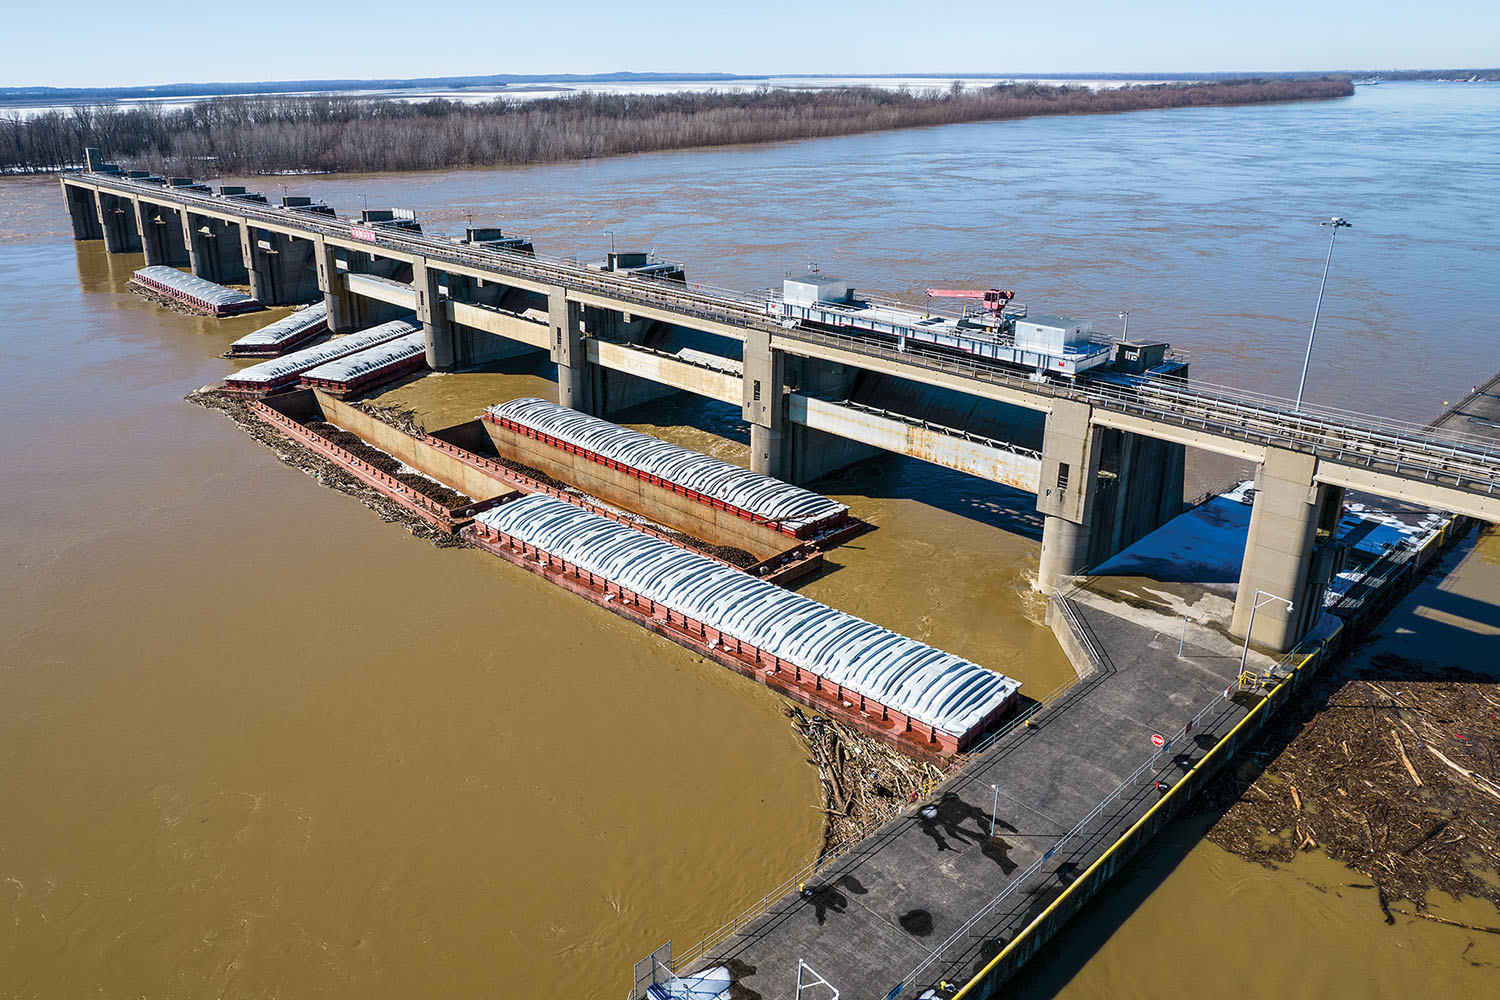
1250	629
1334	225
1125	315
611	234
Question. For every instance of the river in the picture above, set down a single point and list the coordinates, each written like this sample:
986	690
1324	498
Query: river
257	742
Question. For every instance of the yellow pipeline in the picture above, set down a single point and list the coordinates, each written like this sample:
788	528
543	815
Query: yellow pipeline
1083	879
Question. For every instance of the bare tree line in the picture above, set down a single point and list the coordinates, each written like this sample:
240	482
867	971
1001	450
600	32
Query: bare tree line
270	134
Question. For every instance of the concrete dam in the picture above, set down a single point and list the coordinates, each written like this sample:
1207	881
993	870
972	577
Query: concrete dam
1095	429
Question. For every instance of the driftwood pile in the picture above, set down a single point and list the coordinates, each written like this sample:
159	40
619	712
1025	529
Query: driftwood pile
294	454
864	779
1397	778
356	446
403	418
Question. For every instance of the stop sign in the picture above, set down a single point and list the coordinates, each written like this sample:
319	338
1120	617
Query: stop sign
1157	739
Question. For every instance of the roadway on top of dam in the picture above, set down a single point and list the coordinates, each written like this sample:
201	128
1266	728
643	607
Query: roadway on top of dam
1437	467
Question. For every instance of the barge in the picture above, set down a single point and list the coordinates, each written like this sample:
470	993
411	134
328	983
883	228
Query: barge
721	485
926	700
191	292
371	367
283	372
284	334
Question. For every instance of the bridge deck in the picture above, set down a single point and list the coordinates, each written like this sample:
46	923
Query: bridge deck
1477	414
884	909
1442	466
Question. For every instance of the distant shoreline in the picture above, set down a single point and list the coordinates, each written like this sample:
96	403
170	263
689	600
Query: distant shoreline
95	95
278	135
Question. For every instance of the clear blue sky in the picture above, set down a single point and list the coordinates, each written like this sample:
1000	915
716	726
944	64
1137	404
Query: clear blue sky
98	43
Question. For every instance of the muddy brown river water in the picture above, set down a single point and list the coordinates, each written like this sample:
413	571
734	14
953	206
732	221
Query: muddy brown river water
255	742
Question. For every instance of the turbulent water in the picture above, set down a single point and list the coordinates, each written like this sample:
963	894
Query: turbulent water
254	741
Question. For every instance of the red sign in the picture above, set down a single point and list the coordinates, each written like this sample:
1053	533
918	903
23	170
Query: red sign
1157	739
361	233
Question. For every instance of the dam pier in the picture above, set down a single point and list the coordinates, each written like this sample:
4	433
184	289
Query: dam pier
1048	793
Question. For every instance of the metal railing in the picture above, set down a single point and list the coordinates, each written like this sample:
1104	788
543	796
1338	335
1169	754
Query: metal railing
1160	761
684	961
1405	449
936	428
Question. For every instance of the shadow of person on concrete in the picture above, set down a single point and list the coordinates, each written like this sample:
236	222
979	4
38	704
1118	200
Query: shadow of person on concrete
951	812
825	899
998	849
738	972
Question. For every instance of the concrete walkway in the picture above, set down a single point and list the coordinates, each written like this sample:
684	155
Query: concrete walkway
905	899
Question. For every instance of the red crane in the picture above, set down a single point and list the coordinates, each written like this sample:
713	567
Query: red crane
994	300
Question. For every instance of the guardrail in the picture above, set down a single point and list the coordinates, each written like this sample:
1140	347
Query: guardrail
1409	450
1157	762
944	429
684	961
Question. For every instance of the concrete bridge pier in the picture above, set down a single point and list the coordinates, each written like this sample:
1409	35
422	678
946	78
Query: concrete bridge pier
575	378
117	224
764	406
280	267
1291	552
335	289
161	232
1101	489
1070	466
257	266
437	330
214	249
83	211
145	232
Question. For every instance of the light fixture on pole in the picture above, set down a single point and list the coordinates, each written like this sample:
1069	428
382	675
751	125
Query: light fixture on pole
611	234
1125	315
1334	224
1250	629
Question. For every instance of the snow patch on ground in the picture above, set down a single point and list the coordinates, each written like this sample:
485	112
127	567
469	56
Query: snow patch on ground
1207	543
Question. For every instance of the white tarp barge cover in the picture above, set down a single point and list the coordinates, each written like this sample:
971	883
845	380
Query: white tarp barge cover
193	287
769	498
286	328
279	370
371	359
937	688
